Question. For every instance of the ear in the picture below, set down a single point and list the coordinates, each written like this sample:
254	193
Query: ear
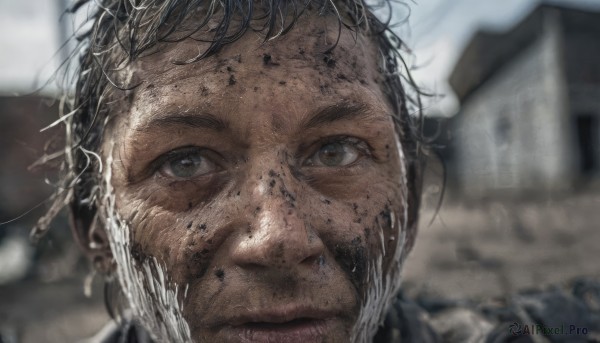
90	235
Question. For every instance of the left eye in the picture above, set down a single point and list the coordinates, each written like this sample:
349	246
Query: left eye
336	154
187	166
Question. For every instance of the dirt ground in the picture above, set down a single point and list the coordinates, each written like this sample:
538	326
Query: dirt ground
496	248
469	252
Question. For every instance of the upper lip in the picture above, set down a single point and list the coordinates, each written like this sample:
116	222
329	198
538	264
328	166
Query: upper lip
277	315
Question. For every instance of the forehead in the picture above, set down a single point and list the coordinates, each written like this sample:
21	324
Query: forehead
284	79
306	45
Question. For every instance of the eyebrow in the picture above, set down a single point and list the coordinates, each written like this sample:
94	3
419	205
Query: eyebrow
342	111
195	120
345	110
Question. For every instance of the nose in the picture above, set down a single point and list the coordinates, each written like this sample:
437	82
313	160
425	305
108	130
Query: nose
279	237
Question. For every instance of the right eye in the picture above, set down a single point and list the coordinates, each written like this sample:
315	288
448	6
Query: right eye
187	165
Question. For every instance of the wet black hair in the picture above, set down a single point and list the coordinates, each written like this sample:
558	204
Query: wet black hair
118	32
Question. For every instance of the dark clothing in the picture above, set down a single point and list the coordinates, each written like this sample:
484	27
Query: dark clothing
571	314
554	315
126	333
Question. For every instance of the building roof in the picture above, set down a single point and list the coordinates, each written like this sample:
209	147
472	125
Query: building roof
488	51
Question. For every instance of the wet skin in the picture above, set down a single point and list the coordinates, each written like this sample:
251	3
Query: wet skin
263	177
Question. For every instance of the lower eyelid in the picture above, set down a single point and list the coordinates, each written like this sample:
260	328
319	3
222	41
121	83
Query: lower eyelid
180	153
213	169
199	181
361	147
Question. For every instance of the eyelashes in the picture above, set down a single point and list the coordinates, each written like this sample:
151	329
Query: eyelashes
338	151
186	163
193	162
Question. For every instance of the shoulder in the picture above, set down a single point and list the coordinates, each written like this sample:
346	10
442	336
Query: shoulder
557	314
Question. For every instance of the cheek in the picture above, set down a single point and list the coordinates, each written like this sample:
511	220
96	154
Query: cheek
188	242
168	237
365	232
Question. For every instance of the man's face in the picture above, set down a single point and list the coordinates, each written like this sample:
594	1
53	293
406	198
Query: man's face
266	183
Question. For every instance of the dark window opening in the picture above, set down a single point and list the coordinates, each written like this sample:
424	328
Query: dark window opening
587	136
503	128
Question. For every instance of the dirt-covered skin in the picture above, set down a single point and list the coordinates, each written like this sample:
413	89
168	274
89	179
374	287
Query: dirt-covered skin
292	180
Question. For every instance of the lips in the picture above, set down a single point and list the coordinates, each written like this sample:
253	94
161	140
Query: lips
293	324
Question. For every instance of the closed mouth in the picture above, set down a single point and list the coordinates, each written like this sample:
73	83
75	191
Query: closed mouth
292	324
300	330
289	323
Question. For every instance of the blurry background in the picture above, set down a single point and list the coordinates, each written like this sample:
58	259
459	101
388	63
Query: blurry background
515	120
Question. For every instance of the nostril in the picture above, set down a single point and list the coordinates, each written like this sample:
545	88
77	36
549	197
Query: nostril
318	260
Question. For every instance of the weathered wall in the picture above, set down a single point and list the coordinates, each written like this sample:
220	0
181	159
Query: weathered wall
513	135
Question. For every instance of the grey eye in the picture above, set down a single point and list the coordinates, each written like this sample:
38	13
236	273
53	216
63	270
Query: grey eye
187	166
336	154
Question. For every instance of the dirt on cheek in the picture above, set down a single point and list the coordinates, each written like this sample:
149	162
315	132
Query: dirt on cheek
138	254
198	263
198	251
352	257
220	274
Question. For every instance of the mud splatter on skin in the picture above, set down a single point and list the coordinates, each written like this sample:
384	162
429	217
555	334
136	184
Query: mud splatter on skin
384	284
329	61
198	263
290	197
153	298
353	260
220	274
232	81
358	275
266	59
138	253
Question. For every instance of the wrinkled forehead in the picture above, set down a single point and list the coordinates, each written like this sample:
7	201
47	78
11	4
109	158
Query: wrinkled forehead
307	46
301	58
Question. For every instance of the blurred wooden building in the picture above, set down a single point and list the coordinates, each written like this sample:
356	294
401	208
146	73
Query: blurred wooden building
21	144
530	106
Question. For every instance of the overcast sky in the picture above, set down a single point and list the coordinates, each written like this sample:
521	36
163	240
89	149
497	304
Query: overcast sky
437	31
